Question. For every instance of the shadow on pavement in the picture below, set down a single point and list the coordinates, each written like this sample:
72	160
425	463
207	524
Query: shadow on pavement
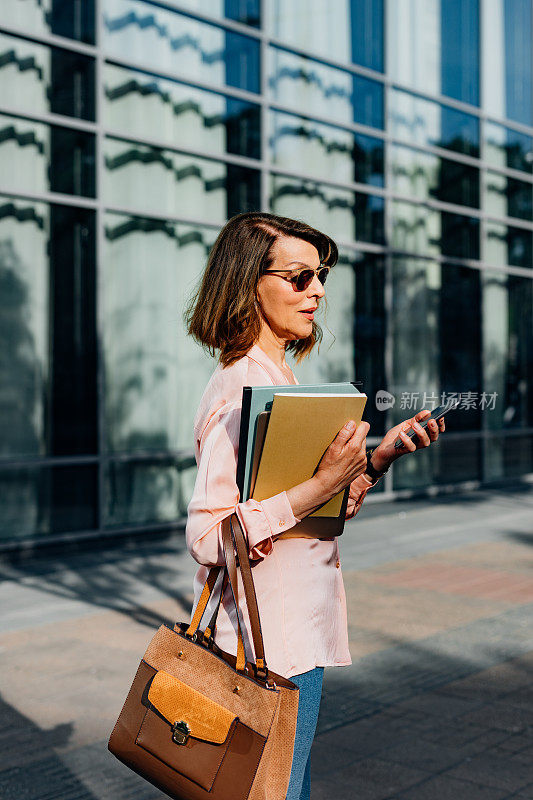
29	767
114	579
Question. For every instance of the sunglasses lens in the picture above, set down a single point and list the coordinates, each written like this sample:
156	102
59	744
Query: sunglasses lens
322	275
303	279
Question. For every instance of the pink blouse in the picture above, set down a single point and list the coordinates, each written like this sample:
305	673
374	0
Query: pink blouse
299	586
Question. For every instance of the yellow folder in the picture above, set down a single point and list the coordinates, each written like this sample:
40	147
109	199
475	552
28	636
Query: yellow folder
300	429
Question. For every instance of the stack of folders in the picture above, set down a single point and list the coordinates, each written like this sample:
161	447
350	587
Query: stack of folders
282	445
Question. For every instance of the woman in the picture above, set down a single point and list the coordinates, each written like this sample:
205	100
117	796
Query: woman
263	283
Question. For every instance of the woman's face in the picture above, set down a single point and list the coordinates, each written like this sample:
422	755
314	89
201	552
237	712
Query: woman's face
287	312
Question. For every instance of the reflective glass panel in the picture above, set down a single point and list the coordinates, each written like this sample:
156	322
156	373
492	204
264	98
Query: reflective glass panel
434	46
424	176
418	121
326	151
508	245
40	158
508	456
350	31
145	491
245	11
154	373
40	501
165	40
369	329
507	197
505	147
42	79
47	269
71	18
507	362
436	336
164	182
150	107
341	213
427	231
452	461
302	84
508	59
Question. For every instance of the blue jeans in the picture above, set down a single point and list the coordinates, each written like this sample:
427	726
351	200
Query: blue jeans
310	685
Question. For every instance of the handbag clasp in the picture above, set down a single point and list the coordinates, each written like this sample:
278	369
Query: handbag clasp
180	732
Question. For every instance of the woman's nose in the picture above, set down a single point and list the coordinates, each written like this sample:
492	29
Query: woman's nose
316	288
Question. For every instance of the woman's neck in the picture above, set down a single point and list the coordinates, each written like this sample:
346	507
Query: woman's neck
273	346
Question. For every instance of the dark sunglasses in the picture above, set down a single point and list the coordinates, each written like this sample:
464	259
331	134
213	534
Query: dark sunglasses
301	280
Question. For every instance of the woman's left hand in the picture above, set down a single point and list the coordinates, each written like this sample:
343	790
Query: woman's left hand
385	453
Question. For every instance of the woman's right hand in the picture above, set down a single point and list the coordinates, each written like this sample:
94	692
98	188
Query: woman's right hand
342	462
344	459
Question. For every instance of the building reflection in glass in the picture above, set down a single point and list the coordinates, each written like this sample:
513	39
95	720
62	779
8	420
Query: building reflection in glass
148	178
162	39
326	151
305	85
418	121
151	107
424	176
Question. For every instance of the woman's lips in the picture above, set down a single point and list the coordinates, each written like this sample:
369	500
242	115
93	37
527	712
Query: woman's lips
308	314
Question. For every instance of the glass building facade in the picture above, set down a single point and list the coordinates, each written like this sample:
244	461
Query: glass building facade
131	130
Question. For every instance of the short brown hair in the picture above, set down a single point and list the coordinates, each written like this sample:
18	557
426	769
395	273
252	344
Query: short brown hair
222	314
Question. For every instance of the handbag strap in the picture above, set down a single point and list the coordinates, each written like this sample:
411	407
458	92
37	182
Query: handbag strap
241	547
233	540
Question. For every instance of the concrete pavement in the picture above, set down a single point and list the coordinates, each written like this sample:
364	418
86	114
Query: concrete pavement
438	702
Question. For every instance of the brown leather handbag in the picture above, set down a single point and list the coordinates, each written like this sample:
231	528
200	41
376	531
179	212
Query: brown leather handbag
200	723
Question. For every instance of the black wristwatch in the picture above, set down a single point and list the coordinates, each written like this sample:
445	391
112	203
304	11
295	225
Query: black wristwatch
370	470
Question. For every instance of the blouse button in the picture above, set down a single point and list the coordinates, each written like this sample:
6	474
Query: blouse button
281	523
338	564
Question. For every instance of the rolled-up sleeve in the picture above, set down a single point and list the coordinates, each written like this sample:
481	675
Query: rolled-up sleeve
216	495
358	489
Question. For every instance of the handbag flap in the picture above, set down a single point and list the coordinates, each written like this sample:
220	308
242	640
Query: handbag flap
178	702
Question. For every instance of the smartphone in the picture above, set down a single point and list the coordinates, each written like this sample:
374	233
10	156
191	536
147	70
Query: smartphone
436	414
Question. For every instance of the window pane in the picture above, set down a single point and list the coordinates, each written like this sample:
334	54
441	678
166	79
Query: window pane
143	492
505	147
507	245
508	197
507	59
370	329
418	121
452	461
298	143
147	106
343	214
304	84
166	40
40	158
426	231
508	349
245	11
47	269
351	32
424	176
41	79
434	46
508	456
71	18
436	336
154	373
40	501
164	182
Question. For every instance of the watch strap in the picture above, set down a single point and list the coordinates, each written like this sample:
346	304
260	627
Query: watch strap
370	470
